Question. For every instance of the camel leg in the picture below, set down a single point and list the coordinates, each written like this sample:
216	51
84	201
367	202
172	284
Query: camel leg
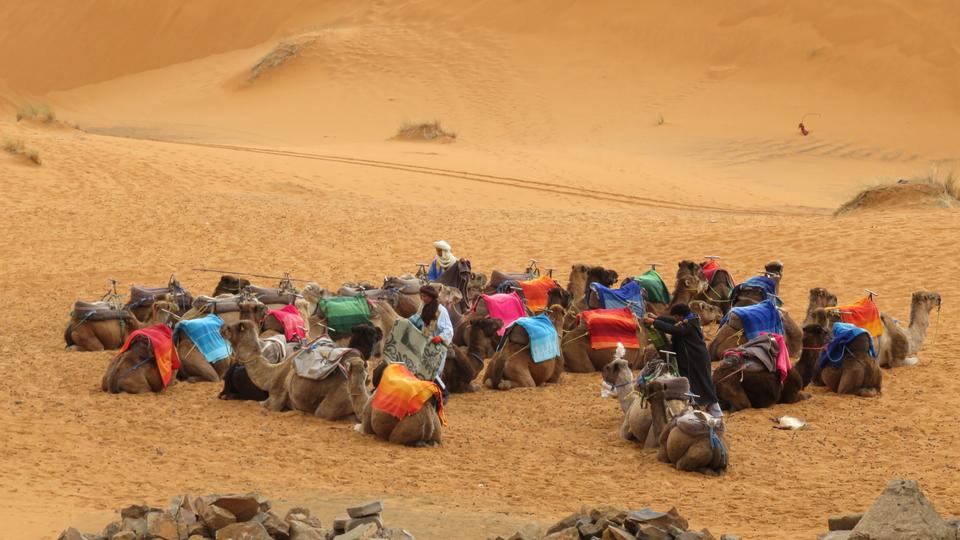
276	401
517	374
851	380
336	405
199	369
86	341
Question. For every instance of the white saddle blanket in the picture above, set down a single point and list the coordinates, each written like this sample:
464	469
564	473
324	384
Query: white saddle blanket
320	360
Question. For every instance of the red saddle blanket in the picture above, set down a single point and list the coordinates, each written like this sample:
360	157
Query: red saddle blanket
608	327
164	352
401	394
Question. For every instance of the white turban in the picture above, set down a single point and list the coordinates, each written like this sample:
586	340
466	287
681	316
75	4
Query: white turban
441	245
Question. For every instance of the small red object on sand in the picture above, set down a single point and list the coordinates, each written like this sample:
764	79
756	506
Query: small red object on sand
803	130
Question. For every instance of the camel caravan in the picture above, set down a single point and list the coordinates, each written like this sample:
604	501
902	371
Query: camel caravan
388	357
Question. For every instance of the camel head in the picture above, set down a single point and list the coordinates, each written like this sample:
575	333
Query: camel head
578	273
559	296
617	373
925	300
690	268
556	313
816	336
774	268
230	285
121	372
824	317
449	295
253	310
242	336
690	284
364	338
708	313
313	292
603	276
357	369
820	297
483	333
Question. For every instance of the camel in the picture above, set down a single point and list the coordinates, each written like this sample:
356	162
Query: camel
819	298
858	373
230	285
420	429
513	367
718	290
327	398
704	451
580	357
236	382
708	313
90	330
582	275
272	327
898	346
690	284
134	371
744	383
637	418
465	363
731	335
816	336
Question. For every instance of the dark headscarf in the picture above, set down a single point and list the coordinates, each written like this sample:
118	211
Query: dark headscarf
431	309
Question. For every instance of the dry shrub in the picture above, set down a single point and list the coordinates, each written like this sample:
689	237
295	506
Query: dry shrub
427	131
281	53
942	189
33	111
16	147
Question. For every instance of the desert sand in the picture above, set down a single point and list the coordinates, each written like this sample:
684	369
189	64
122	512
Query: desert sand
614	132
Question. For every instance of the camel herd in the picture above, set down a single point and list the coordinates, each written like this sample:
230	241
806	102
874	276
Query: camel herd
265	364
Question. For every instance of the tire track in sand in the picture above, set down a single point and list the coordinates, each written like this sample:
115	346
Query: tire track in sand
509	181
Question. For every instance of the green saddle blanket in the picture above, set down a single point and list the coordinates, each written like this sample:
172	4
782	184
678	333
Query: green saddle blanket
343	313
656	289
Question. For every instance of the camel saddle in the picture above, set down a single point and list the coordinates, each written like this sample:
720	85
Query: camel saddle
698	423
141	296
497	278
405	284
273	296
758	354
219	304
322	359
98	311
353	289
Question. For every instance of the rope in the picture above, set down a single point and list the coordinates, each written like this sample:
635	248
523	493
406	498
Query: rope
127	373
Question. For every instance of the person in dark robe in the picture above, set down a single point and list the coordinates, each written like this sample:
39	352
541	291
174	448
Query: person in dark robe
693	361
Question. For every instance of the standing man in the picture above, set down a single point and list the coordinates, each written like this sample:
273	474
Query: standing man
686	337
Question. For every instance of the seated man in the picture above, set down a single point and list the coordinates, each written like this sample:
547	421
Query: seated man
444	259
434	321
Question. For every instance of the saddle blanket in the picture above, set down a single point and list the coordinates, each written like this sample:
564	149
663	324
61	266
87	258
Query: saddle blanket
762	317
406	344
536	291
864	314
628	296
294	328
506	307
165	354
653	283
320	360
544	341
343	313
205	334
402	394
607	327
843	335
767	349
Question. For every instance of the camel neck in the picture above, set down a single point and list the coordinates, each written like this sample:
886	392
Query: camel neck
626	396
919	323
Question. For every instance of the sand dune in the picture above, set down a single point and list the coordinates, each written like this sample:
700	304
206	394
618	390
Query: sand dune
612	132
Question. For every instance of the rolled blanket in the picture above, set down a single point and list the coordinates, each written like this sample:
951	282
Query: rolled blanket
406	344
544	341
651	282
506	307
165	354
629	296
294	328
205	334
608	327
401	394
762	317
864	314
342	313
843	335
536	291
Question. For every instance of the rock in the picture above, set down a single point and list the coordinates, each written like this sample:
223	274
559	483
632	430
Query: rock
616	533
340	524
137	511
363	532
182	509
651	532
162	526
138	526
843	523
694	535
588	530
302	531
570	533
243	507
730	537
356	522
398	534
661	520
834	535
371	508
216	517
902	511
125	535
71	534
243	531
303	516
297	510
197	537
277	528
609	513
198	529
530	532
565	523
112	529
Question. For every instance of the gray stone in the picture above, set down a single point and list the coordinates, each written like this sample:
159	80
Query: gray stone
843	523
243	531
371	508
243	507
124	535
136	525
903	512
694	535
277	528
662	520
834	535
363	532
590	530
112	529
570	533
162	526
356	522
340	524
137	511
216	517
71	534
730	537
651	532
565	523
616	533
530	532
609	513
303	531
397	534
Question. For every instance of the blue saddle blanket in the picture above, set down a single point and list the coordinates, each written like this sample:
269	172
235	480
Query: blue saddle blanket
762	317
544	341
205	334
628	296
843	335
768	285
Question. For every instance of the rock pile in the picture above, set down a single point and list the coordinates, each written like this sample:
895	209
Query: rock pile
901	511
610	523
239	517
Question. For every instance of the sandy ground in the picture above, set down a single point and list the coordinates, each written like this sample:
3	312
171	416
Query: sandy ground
559	157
